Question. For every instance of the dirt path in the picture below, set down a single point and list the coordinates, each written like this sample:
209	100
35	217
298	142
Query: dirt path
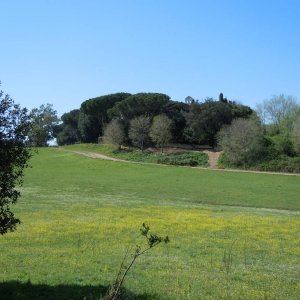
97	155
213	158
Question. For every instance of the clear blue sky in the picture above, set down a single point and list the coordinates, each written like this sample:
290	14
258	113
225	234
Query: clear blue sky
66	51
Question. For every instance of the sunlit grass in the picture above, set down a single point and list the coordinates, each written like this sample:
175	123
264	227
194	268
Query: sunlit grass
80	215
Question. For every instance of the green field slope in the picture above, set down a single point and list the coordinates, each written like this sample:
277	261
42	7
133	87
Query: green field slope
79	215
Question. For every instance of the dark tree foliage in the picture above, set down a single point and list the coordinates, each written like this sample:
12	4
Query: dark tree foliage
99	106
89	128
87	123
239	110
205	119
142	104
57	129
176	112
68	132
67	136
71	118
14	155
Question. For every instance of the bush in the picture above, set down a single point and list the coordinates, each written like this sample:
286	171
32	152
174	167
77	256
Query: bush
192	159
185	158
242	141
283	145
282	163
223	161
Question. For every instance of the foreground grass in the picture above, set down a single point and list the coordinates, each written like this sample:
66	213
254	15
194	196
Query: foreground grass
80	215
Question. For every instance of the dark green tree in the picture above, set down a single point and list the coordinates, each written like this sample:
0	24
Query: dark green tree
296	132
68	132
204	120
97	108
176	112
88	126
67	136
142	104
71	118
14	155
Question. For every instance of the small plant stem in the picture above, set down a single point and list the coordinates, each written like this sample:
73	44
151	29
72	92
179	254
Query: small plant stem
136	255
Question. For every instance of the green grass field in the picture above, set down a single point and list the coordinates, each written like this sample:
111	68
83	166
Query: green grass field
79	215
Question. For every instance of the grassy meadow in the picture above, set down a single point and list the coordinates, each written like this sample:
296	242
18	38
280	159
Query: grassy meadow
79	216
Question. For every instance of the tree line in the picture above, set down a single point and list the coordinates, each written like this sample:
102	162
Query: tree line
267	138
189	122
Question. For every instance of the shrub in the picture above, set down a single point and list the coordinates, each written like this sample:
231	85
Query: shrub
283	145
281	164
223	161
152	240
192	159
242	141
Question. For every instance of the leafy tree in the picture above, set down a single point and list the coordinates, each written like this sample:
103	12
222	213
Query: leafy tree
283	144
146	104
71	118
239	110
98	108
14	155
68	135
176	112
88	127
160	131
204	120
296	133
68	132
139	131
114	133
276	109
44	120
242	141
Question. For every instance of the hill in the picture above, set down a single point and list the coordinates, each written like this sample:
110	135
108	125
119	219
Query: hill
79	215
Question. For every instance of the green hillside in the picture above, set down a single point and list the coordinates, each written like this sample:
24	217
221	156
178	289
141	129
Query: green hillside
79	215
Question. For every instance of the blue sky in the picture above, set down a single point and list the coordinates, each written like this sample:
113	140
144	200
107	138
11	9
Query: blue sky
66	51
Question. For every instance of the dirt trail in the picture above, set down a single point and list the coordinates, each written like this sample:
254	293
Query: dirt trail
97	155
213	158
